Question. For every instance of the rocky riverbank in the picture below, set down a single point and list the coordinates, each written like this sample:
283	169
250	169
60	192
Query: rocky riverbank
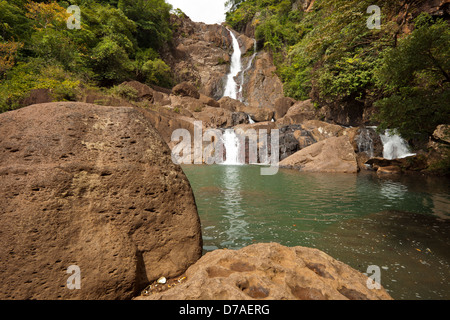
92	184
270	271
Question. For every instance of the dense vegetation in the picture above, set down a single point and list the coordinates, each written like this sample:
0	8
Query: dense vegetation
330	55
326	53
118	40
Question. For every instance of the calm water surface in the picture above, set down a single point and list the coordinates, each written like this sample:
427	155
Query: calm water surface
401	224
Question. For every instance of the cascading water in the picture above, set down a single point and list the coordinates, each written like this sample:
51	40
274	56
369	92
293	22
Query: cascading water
231	144
232	88
365	142
394	146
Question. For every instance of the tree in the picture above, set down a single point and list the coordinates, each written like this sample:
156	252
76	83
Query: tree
414	77
46	15
8	51
13	22
111	62
152	21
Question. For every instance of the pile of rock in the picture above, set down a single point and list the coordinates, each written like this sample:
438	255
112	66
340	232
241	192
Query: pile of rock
271	271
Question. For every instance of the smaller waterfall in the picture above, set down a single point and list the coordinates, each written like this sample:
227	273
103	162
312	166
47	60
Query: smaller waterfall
231	144
249	66
365	142
394	146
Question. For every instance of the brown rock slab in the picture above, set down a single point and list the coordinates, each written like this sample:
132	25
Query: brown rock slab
185	89
273	272
231	104
282	106
37	96
298	113
262	87
143	90
334	155
389	170
95	187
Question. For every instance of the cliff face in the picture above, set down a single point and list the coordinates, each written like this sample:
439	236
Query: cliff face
201	55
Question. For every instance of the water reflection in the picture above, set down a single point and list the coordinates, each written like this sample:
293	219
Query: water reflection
235	214
400	224
393	190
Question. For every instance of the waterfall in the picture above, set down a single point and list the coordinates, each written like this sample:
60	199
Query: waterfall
394	146
365	142
231	144
232	88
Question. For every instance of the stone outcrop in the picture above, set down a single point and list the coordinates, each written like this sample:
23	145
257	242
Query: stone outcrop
389	170
321	130
367	144
298	113
294	138
231	104
334	155
200	54
271	271
37	96
409	164
185	89
262	87
94	187
439	149
281	106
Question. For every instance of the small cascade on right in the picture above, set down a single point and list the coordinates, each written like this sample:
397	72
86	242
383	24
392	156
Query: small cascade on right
242	80
394	146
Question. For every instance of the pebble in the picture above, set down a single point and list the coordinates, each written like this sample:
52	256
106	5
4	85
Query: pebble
162	280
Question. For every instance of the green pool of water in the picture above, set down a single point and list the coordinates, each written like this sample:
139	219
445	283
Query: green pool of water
400	224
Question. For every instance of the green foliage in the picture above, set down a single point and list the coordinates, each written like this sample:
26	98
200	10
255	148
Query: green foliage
118	40
36	75
415	79
157	72
111	63
152	20
330	55
13	23
125	92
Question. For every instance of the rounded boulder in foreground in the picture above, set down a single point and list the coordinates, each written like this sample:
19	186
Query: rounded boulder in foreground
92	187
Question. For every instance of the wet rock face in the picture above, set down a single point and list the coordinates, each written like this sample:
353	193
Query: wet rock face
294	138
271	271
94	187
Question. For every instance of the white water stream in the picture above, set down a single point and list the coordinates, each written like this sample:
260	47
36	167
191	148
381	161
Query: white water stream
234	90
394	146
